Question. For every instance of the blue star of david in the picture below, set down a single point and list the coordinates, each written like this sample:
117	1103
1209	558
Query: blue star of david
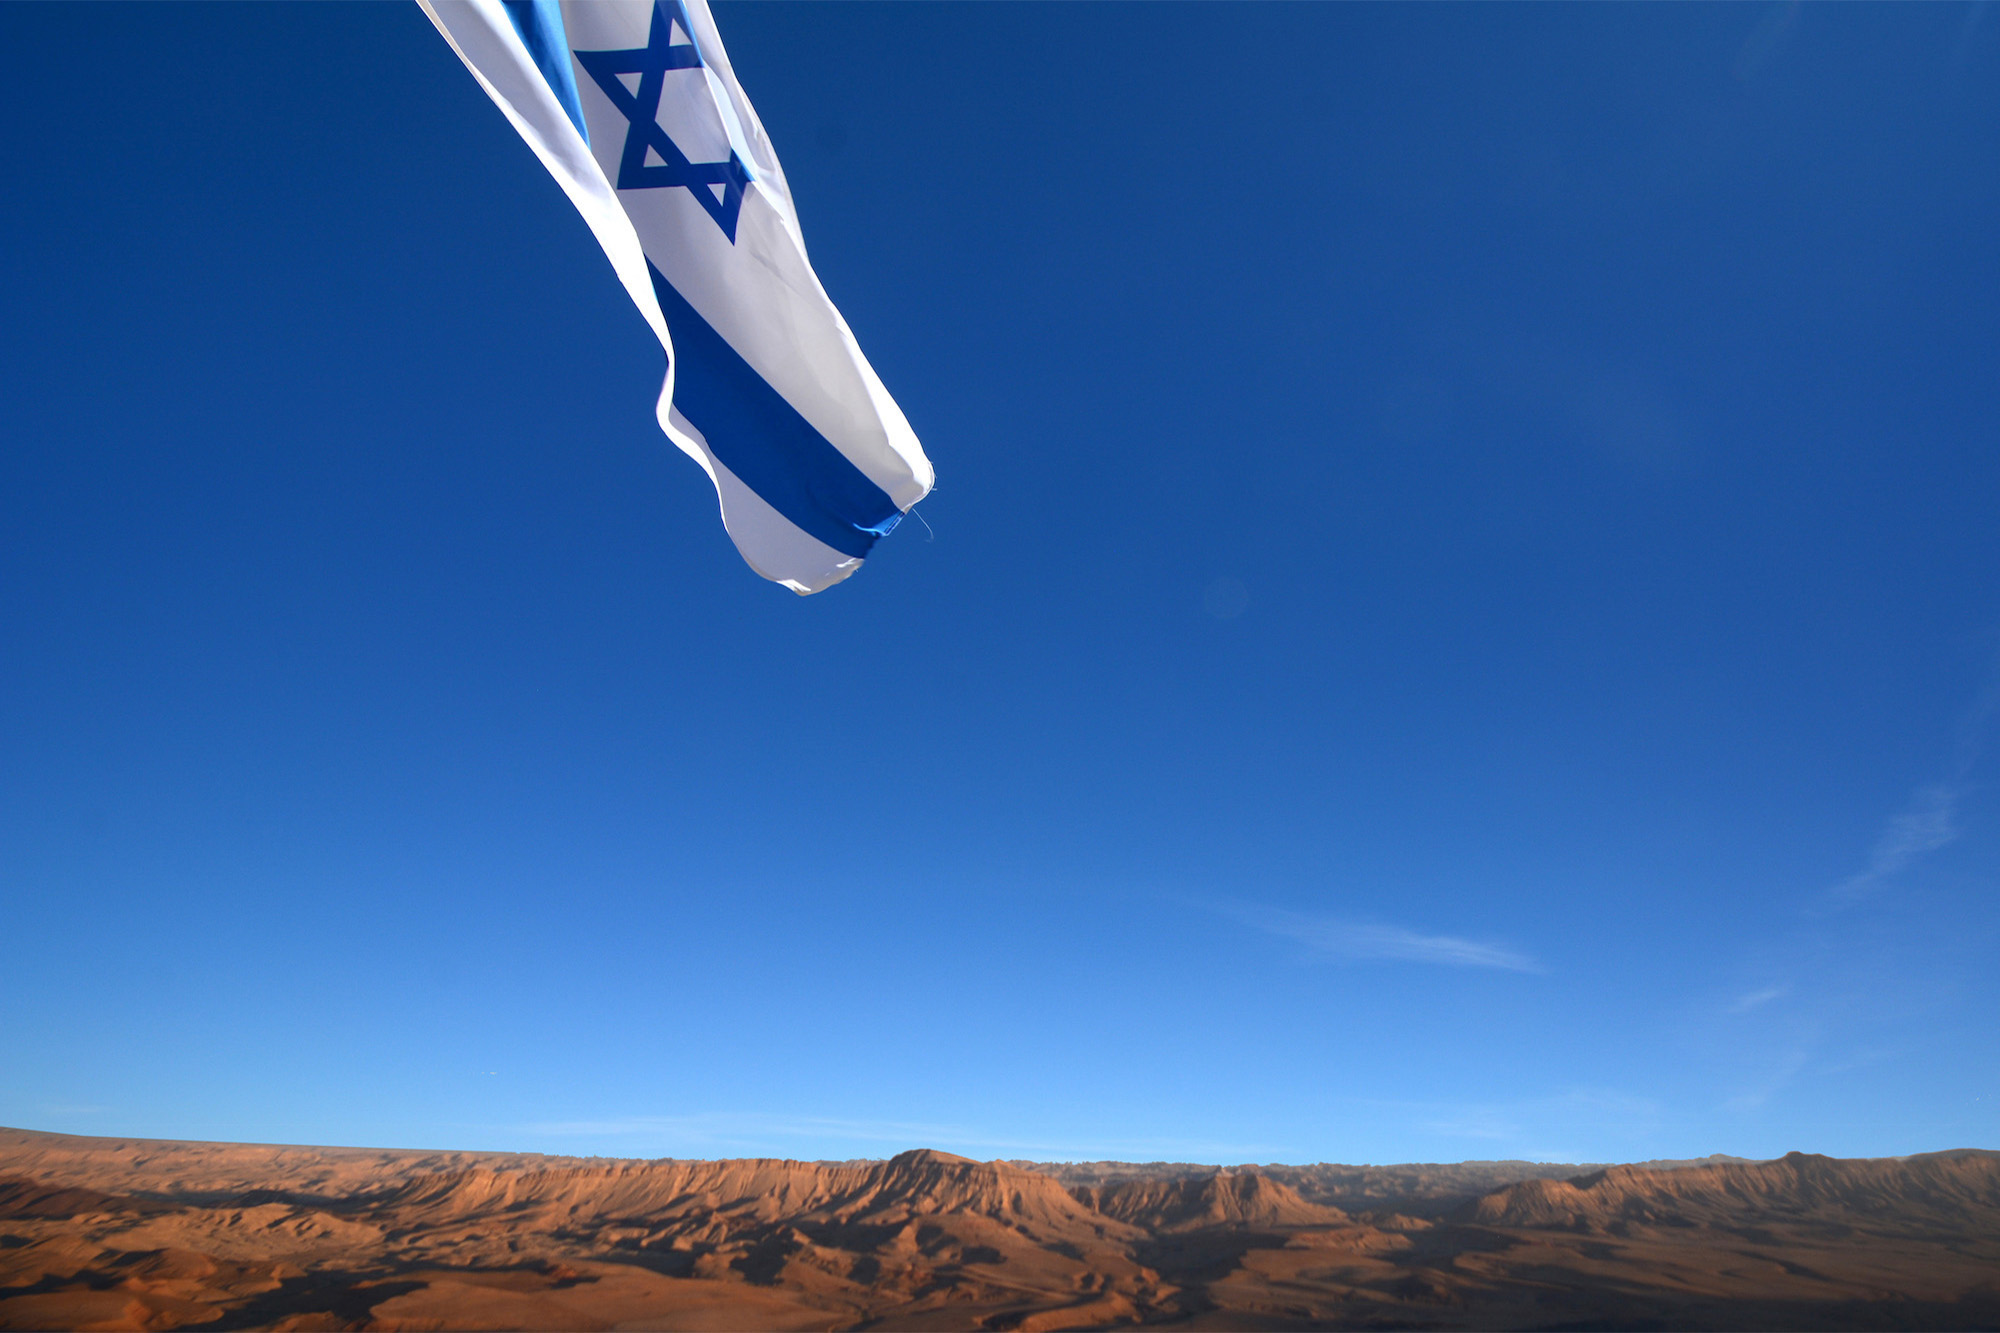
651	63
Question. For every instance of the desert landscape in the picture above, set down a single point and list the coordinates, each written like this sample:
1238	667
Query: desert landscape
100	1233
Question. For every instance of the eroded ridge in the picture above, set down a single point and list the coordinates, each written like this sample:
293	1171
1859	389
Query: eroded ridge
108	1233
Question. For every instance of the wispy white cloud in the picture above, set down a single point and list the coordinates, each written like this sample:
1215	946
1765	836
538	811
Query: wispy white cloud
1961	50
1581	1124
1335	937
1757	999
755	1133
736	1129
1770	1081
1930	820
1766	38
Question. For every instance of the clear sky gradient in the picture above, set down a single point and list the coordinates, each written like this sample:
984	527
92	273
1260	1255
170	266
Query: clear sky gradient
1462	618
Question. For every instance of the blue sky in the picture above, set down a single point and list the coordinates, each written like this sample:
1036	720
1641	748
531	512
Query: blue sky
1461	622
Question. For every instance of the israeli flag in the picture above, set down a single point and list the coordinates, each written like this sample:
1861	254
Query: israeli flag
632	106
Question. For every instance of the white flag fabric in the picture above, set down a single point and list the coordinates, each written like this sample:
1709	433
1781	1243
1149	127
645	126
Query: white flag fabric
632	106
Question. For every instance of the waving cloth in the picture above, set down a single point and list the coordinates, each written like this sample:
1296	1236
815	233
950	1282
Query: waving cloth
634	110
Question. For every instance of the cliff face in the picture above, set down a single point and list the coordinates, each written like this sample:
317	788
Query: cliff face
1225	1199
1424	1189
1939	1191
128	1234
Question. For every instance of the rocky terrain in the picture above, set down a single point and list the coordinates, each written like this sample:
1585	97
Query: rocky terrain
133	1234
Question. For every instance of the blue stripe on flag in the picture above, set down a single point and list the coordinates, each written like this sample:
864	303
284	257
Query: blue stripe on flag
540	24
762	438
